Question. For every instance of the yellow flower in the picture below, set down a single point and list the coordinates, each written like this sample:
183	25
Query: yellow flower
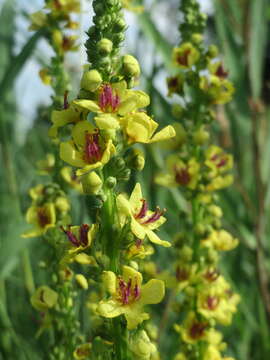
143	221
220	240
87	150
180	173
41	217
114	99
139	250
192	329
128	296
70	178
217	161
60	118
219	90
139	127
185	56
82	352
44	298
185	274
80	238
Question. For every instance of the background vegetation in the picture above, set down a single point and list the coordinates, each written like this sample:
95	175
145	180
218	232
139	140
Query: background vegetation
241	29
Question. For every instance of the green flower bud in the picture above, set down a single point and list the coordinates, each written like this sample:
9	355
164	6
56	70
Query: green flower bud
91	80
91	183
197	38
186	253
141	345
81	281
125	175
119	26
131	67
177	110
105	46
44	298
111	182
201	136
212	51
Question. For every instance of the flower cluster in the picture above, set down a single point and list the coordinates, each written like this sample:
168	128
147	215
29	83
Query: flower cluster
199	169
95	134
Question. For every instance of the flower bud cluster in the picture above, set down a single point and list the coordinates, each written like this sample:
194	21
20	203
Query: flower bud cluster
199	169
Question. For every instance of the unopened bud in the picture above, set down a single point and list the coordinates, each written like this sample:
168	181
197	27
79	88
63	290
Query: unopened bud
212	51
91	80
81	281
131	66
197	38
91	183
105	46
110	182
201	136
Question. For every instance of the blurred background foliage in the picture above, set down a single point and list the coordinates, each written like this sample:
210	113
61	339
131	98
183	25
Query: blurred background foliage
241	29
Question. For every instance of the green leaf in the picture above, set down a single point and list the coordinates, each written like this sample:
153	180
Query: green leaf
18	62
257	44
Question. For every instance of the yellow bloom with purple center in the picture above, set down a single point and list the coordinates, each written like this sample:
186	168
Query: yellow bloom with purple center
79	239
218	89
143	222
193	329
41	217
180	173
88	149
128	296
185	55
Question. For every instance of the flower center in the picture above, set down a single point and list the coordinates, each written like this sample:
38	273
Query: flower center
142	214
92	149
211	275
183	59
182	176
108	101
197	329
181	274
83	235
220	160
211	302
221	73
126	292
43	218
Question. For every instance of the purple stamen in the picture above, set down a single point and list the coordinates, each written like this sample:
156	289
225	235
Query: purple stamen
71	237
221	73
136	292
92	148
156	216
183	59
108	101
66	104
142	211
182	176
212	302
84	228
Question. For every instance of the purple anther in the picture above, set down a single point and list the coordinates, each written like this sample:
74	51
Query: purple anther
84	228
142	211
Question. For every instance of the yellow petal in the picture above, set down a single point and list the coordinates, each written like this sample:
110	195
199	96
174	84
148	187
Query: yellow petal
110	308
69	154
136	198
107	122
156	240
79	131
137	229
152	292
109	281
167	133
135	276
87	104
134	317
123	205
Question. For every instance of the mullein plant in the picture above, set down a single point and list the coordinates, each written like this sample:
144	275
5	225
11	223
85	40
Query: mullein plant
204	299
96	133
